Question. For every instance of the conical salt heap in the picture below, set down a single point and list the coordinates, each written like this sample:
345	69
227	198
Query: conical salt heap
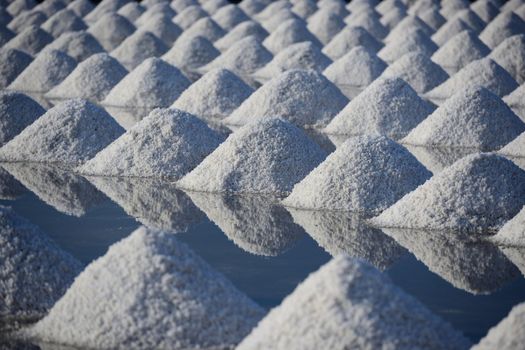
413	41
161	8
205	27
513	232
325	24
484	72
163	28
92	79
358	307
81	7
212	6
516	101
421	6
241	31
289	32
510	55
154	83
459	51
486	10
503	26
131	11
366	174
17	111
227	17
451	7
32	40
79	45
274	21
189	15
349	38
18	6
305	98
132	301
304	8
47	70
111	30
12	63
371	24
272	7
449	30
103	8
215	95
35	271
181	141
473	117
68	134
510	5
478	193
253	7
388	107
50	7
433	18
62	22
515	150
409	24
191	53
393	18
181	5
305	55
138	47
267	156
471	19
26	19
5	35
386	6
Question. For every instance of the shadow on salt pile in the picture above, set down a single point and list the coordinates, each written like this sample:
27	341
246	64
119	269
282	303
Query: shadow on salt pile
10	188
347	233
437	159
257	224
65	191
466	262
154	203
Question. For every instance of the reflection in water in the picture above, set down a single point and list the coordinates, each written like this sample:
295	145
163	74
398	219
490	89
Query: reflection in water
467	263
257	224
65	191
153	202
346	233
516	255
10	188
436	159
519	161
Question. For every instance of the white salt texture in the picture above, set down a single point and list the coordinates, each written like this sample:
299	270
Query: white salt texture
510	54
471	19
413	41
145	285
516	101
515	148
388	107
205	27
267	156
32	40
81	7
325	24
131	11
478	193
68	134
154	83
289	32
407	25
349	38
111	30
18	6
513	232
152	12
17	111
47	70
189	15
62	22
486	10
229	16
103	8
26	19
449	30
10	188
12	63
212	6
371	24
215	95
92	79
181	5
503	26
473	117
241	31
348	304
273	22
433	18
79	45
304	8
138	47
365	174
168	143
163	28
191	53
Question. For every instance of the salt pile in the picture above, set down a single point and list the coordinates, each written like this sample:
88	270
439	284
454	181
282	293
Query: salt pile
92	79
180	292
449	30
62	22
287	33
229	16
154	83
409	24
205	27
131	11
163	28
34	271
393	18
138	47
181	141
273	22
181	5
5	35
212	6
272	7
325	24
266	156
215	95
191	53
413	41
189	15
347	294
349	38
26	19
503	26
18	6
79	45
69	134
32	40
50	7
388	107
305	98
371	24
241	31
515	148
421	6
361	187
450	8
513	232
17	111
508	334
516	101
473	117
471	19
484	72
486	10
511	5
477	193
162	8
103	8
81	7
459	51
433	18
111	30
12	63
304	8
253	7
509	54
388	5
47	70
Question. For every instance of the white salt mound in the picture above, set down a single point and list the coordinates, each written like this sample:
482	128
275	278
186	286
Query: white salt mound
289	32
358	307
12	63
47	70
205	27
325	24
79	45
131	11
304	8
433	18
266	156
365	174
62	22
18	6
215	95
388	107
163	28
486	10
305	98
154	83
50	7
227	17
478	193
273	22
513	232
136	48
503	26
241	31
152	12
92	79
371	24
508	334
191	53
189	15
103	8
413	41
81	7
393	18
68	134
449	30
212	6
407	25
26	19
510	55
471	18
111	30
168	143
17	111
32	40
473	117
144	285
253	7
515	148
349	38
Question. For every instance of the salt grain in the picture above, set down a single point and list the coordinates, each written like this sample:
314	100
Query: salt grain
349	38
111	30
79	45
17	111
508	334
12	63
241	31
136	48
287	33
503	26
32	40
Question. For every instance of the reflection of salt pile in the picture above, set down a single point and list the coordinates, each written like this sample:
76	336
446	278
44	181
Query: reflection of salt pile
17	111
349	38
218	93
92	79
477	193
503	26
12	63
509	54
111	30
436	159
349	178
136	48
345	233
10	188
241	31
68	134
348	304
132	302
306	98
267	156
34	271
256	224
32	40
168	143
154	83
289	32
191	53
62	22
474	117
513	232
413	41
79	45
388	107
